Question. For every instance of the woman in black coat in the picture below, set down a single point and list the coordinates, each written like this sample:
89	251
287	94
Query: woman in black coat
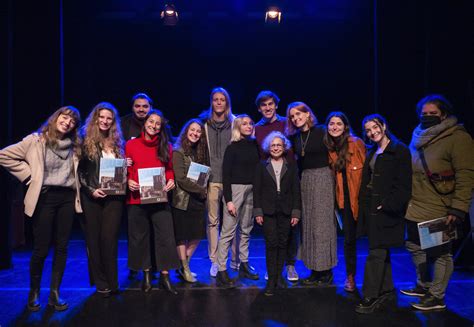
383	199
277	204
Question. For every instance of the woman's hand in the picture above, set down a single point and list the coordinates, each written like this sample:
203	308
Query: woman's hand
98	194
169	185
451	219
294	221
129	162
133	186
231	209
259	220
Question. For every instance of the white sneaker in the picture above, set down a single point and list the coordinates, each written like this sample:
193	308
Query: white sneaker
214	269
291	273
234	265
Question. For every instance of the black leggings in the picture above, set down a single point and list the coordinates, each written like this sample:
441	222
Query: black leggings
53	218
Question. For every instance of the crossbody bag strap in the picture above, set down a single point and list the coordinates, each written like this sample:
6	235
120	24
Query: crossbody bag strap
423	162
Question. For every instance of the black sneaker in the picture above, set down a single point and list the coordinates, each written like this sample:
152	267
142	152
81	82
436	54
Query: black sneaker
417	291
429	302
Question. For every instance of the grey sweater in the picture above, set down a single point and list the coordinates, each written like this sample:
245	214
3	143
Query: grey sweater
218	138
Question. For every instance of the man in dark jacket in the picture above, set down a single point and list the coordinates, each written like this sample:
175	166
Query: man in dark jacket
132	123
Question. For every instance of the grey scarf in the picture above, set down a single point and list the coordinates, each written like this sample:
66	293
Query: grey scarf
423	136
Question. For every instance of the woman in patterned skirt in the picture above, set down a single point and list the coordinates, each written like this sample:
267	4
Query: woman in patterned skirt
318	249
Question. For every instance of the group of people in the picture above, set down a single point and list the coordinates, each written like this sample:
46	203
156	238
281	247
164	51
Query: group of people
289	174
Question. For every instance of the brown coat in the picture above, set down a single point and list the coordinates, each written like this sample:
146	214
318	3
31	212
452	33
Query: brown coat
26	159
354	174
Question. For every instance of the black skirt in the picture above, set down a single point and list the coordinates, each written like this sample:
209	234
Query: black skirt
190	224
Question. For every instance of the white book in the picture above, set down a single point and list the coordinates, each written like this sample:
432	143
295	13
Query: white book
113	176
152	183
435	232
199	174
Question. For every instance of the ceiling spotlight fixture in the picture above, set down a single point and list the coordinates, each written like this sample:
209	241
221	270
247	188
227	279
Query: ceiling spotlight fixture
273	15
169	15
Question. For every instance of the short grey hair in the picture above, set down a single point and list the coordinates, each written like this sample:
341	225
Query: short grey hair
269	139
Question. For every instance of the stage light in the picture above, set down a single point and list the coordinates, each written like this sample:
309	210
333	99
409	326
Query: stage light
273	15
169	15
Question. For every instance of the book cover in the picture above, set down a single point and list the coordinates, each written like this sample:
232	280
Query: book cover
435	232
152	184
199	174
113	176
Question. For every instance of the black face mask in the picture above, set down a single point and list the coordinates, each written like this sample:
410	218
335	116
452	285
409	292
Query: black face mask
429	121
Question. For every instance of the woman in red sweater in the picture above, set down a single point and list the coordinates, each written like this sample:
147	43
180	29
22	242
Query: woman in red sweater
151	150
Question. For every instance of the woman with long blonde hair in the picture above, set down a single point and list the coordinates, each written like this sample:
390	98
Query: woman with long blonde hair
46	162
102	212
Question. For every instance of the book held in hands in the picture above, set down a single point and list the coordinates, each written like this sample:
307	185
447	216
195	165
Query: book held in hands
436	232
113	176
152	185
199	174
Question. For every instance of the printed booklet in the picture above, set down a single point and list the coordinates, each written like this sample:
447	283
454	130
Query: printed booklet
199	174
113	176
152	184
435	232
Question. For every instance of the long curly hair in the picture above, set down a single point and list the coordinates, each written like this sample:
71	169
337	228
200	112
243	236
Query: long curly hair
340	145
94	140
199	149
49	131
162	151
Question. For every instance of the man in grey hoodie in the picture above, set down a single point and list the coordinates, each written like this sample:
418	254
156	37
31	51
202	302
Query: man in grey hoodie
218	126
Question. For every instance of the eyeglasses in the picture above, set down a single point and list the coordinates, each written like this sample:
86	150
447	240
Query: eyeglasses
276	145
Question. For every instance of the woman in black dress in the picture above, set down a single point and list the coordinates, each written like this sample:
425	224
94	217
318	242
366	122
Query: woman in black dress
189	198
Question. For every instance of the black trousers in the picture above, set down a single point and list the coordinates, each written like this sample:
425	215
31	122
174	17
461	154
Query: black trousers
378	273
157	219
276	229
293	241
52	220
101	224
349	229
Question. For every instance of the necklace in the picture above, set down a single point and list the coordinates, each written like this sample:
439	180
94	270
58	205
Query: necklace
303	144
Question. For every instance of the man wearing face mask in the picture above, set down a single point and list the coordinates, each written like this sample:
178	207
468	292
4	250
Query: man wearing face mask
443	178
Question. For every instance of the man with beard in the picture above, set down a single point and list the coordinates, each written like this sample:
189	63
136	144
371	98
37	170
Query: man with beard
132	123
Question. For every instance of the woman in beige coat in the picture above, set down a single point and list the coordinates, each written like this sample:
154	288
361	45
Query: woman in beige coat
46	162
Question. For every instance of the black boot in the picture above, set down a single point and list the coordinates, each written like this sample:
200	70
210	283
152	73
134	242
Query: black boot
270	287
246	271
325	278
146	284
368	305
165	283
223	280
281	282
313	279
54	299
33	297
